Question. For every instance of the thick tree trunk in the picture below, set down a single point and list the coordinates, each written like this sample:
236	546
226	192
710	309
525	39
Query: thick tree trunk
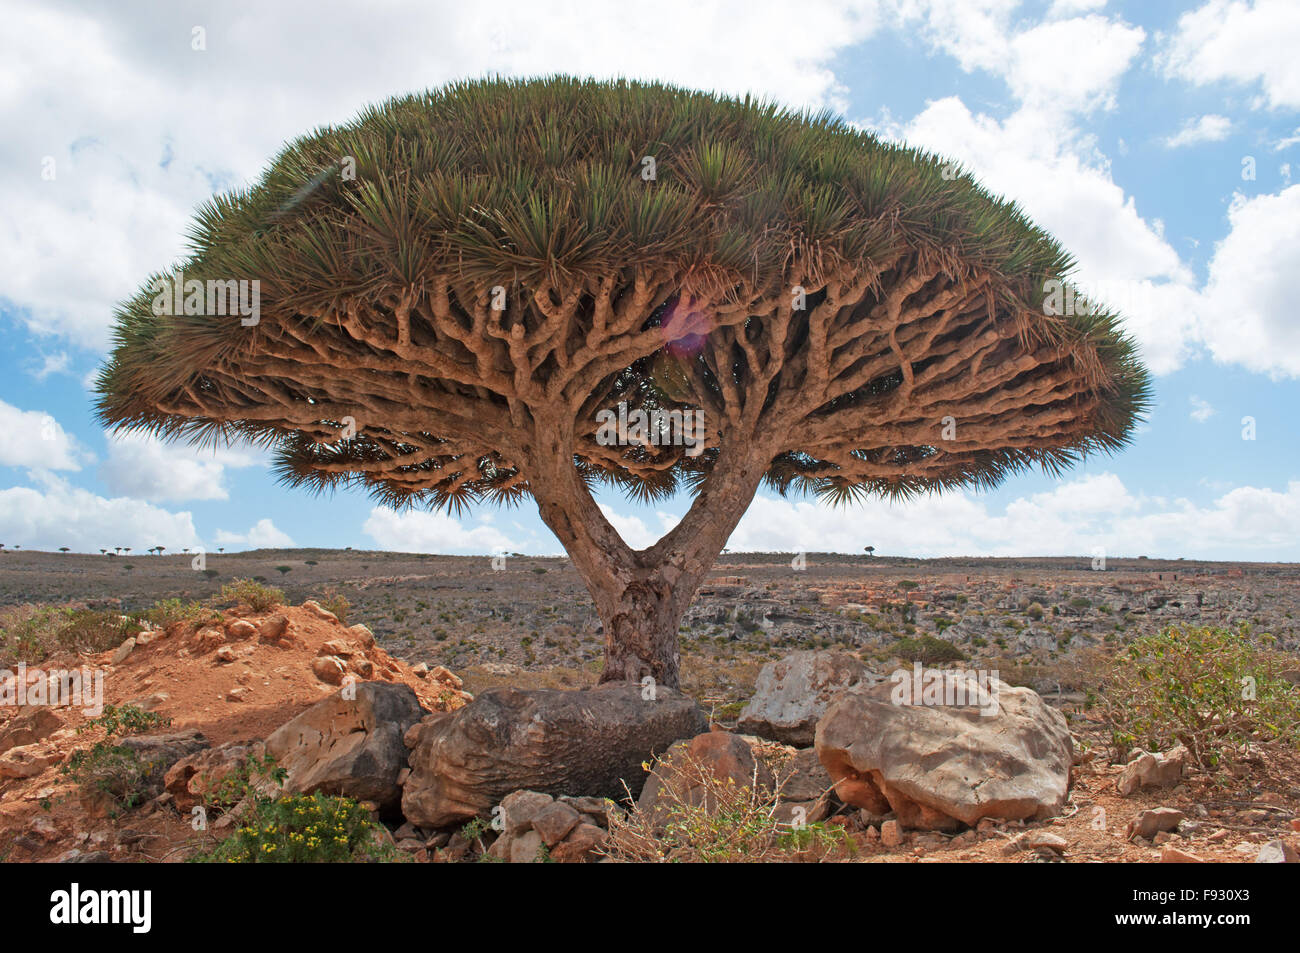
642	596
641	625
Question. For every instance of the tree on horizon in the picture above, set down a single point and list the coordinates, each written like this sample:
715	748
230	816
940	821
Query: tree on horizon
461	289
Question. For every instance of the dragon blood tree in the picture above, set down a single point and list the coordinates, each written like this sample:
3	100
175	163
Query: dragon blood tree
447	300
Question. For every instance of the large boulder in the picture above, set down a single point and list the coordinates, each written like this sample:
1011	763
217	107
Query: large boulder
591	741
349	747
1005	755
790	695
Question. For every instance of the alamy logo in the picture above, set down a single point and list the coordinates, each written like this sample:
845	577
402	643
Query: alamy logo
76	906
74	688
218	298
655	428
944	687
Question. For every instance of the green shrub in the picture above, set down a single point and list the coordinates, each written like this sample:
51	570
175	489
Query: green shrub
166	612
927	650
112	776
298	828
119	721
1214	690
336	602
251	593
1035	611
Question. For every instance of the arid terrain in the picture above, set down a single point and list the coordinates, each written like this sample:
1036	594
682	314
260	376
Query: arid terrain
532	621
530	624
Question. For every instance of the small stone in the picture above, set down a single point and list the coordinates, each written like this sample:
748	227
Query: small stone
420	669
580	846
521	808
239	694
555	821
273	628
891	834
1148	823
526	848
1277	852
319	611
1046	840
1172	855
1218	836
241	629
328	669
122	651
26	761
226	654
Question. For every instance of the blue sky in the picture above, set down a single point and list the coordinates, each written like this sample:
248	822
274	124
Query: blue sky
1156	139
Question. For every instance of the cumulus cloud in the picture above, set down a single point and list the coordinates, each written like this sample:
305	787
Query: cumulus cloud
1202	410
141	465
419	531
1091	513
1248	313
1238	42
34	439
1059	65
1208	128
58	514
261	535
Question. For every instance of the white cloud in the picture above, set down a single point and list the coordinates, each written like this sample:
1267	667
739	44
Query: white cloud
634	530
1207	128
143	466
1079	517
261	535
1059	65
1238	42
142	127
57	363
1202	410
34	439
1072	64
419	531
59	514
1248	313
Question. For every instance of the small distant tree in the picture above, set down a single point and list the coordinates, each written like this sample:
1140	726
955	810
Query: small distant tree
507	264
282	570
64	549
870	550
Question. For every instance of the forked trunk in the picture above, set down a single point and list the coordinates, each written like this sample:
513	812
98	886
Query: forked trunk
641	596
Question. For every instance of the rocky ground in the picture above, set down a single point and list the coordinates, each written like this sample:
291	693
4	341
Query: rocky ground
530	626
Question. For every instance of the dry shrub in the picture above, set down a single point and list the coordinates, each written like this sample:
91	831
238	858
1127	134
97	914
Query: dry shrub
703	818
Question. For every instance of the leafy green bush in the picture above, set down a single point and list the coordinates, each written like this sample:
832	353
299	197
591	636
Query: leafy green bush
166	612
1214	690
297	828
927	650
253	594
122	720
